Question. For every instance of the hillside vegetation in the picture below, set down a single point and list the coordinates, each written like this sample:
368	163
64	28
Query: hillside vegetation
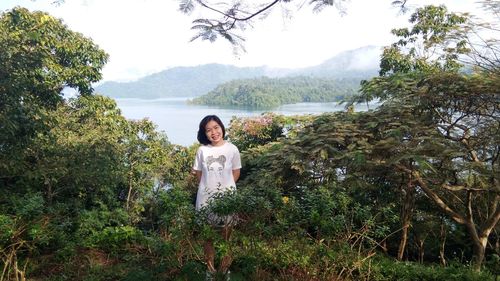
272	92
198	80
178	82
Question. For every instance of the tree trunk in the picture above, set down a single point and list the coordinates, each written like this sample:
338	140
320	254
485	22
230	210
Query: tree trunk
402	242
478	249
442	233
421	251
383	245
479	240
408	202
129	189
497	244
479	256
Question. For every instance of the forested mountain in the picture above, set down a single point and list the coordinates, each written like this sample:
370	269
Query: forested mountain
179	81
267	92
194	81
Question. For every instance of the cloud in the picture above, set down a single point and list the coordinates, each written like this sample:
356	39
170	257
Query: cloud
366	59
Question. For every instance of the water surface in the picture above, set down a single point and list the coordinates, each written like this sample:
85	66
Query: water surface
180	120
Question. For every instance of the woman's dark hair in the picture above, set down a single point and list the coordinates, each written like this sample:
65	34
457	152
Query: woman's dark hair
202	136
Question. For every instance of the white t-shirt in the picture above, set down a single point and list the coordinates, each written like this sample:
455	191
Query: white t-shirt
216	164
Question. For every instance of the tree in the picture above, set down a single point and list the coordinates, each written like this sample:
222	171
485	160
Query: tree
146	160
458	118
40	57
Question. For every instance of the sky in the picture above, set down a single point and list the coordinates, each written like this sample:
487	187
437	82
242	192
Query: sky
147	36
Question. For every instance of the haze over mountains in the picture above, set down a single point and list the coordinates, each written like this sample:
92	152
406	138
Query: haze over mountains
195	81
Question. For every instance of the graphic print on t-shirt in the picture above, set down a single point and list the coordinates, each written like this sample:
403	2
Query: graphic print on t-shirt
215	167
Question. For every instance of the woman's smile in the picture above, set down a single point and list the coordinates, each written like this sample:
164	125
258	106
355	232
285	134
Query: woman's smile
214	133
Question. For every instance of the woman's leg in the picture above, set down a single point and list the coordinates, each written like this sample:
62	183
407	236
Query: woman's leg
209	250
228	258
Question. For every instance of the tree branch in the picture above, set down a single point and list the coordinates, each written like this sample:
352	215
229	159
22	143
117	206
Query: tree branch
492	221
433	196
468	200
240	19
461	187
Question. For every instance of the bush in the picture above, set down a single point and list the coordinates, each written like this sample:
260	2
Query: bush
385	269
115	238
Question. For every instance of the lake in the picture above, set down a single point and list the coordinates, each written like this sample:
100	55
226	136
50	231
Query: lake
180	121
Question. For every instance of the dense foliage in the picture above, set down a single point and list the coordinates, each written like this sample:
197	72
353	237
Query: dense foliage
409	191
272	92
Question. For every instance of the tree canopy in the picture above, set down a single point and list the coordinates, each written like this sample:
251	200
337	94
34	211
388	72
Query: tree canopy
422	71
40	57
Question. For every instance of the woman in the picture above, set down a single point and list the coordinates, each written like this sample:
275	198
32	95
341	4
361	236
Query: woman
217	167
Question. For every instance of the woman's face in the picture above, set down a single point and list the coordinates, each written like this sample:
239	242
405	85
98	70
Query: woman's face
214	133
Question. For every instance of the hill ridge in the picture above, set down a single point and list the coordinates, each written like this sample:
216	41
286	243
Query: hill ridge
193	81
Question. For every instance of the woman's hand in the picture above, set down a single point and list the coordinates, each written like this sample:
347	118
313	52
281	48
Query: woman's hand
236	175
197	174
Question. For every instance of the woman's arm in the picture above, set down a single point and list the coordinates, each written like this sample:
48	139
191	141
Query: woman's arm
236	175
